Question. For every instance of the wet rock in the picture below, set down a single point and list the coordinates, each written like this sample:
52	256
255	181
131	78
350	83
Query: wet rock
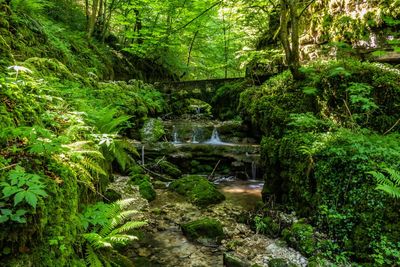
144	252
206	231
231	260
198	189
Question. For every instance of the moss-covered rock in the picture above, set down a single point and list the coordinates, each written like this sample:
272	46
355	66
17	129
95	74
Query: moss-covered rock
145	186
301	237
280	263
198	189
169	169
205	231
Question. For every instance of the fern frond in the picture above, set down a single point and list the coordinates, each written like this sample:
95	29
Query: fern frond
93	166
120	239
92	259
97	241
394	175
390	190
125	203
128	227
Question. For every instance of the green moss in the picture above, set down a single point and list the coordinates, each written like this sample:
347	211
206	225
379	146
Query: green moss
301	237
280	263
152	131
205	228
198	189
169	169
145	187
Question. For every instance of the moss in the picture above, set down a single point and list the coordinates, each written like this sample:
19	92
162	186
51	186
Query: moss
271	228
111	195
301	237
204	229
145	186
280	263
198	189
169	169
152	131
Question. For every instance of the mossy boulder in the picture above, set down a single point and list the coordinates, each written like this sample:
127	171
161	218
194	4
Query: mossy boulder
145	187
301	237
206	231
169	169
198	189
280	263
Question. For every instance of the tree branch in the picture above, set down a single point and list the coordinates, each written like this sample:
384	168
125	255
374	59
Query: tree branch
305	8
198	16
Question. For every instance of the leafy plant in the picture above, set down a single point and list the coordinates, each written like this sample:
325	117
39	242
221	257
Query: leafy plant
389	182
23	187
109	227
20	188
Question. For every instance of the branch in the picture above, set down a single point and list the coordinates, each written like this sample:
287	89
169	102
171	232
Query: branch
305	8
391	128
198	16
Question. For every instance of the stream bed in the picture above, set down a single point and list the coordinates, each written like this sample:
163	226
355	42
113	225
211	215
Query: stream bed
163	244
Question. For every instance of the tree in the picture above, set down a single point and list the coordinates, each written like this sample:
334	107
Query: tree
289	32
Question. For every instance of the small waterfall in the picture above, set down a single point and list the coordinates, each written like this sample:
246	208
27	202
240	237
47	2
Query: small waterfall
254	170
175	139
194	136
215	140
198	110
142	155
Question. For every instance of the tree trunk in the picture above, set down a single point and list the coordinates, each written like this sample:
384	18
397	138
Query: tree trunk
289	36
92	18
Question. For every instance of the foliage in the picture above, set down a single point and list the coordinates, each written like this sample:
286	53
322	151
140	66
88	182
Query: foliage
391	184
145	187
318	150
107	227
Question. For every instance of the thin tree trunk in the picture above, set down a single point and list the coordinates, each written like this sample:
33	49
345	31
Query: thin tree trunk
92	19
191	48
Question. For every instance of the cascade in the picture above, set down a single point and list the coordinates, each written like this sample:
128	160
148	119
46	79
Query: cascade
254	170
215	140
175	136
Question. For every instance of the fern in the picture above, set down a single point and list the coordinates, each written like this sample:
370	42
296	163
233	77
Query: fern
114	230
389	183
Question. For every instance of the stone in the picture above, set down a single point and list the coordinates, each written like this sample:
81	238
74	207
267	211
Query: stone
231	260
206	231
198	189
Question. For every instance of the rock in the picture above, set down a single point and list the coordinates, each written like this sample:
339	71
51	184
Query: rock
144	252
198	189
145	187
111	195
159	185
230	260
301	237
169	169
206	231
280	263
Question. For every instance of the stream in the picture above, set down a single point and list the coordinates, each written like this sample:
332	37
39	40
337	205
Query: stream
230	160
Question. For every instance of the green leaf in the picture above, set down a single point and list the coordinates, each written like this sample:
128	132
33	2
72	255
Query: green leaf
10	190
19	197
31	199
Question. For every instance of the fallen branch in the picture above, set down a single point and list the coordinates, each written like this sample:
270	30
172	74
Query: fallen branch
216	166
391	128
157	174
9	166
